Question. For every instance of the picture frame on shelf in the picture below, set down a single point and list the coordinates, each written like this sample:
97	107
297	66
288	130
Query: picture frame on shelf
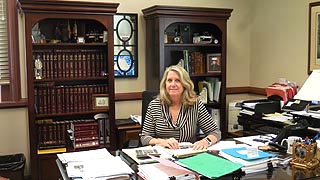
314	39
213	62
100	101
80	40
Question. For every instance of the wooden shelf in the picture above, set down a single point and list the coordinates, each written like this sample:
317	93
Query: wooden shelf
183	22
64	88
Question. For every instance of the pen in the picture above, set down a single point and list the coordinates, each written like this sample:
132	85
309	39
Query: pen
316	136
261	140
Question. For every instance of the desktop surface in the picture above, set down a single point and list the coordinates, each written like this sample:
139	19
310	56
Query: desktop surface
277	173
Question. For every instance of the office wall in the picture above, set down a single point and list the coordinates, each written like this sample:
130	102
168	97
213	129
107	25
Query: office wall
237	45
279	41
266	40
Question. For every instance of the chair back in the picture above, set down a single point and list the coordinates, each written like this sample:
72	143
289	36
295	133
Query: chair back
147	97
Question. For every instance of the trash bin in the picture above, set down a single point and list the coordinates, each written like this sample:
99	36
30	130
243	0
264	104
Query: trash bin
12	166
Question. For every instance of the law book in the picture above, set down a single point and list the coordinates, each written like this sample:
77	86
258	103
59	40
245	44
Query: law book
59	66
93	65
83	126
198	62
85	144
86	133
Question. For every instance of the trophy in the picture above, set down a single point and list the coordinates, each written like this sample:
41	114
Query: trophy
38	68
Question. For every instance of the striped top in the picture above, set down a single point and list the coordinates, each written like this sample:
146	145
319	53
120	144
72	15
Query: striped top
158	123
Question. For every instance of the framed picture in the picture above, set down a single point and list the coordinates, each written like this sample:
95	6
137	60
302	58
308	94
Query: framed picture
214	62
100	101
314	37
80	40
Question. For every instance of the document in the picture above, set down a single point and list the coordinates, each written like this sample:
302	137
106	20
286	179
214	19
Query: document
94	164
257	140
99	168
185	150
209	165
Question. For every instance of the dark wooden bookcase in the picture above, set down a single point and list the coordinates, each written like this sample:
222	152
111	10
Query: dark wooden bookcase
75	77
165	23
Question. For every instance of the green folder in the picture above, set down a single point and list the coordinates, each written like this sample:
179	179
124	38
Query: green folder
209	165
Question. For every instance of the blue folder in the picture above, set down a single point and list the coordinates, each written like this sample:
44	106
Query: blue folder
235	152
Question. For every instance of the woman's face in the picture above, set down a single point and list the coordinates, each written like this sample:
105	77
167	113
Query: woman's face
173	84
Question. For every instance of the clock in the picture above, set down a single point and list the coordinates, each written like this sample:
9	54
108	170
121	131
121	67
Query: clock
38	68
38	64
304	155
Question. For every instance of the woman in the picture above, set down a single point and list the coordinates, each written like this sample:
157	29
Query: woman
176	113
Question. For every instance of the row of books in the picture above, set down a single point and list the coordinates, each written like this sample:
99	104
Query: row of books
209	90
64	99
71	63
52	134
197	62
55	134
84	134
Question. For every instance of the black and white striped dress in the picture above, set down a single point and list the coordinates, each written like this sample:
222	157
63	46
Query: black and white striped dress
158	123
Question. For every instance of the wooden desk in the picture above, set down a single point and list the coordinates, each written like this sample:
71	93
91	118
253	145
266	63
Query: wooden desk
278	173
126	133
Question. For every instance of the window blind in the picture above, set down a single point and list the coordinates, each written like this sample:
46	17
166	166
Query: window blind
4	60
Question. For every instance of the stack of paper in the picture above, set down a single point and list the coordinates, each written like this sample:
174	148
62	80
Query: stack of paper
250	164
94	164
165	169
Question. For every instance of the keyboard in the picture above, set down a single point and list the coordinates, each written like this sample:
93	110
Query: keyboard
268	130
144	153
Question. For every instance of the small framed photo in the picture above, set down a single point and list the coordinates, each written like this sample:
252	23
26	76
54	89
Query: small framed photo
80	40
214	62
100	101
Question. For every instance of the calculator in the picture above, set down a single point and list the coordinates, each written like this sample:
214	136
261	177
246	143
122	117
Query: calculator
144	153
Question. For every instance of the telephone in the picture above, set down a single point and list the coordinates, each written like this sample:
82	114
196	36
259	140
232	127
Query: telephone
101	116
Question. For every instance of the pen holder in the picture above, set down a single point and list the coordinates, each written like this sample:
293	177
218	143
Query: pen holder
303	173
304	155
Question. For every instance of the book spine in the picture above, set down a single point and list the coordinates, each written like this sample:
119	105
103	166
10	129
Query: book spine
86	144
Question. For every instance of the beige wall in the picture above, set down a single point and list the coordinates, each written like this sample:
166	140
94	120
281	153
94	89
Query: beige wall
266	40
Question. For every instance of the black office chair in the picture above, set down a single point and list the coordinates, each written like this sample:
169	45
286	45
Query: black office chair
147	97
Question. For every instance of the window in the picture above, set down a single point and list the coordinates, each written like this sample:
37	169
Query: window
125	45
9	55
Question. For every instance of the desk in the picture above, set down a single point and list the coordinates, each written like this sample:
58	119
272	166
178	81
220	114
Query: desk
289	173
274	174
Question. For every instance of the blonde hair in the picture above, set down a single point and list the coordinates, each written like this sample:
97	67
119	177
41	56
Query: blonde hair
189	97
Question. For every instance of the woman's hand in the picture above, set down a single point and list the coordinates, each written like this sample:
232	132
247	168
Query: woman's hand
171	143
199	145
